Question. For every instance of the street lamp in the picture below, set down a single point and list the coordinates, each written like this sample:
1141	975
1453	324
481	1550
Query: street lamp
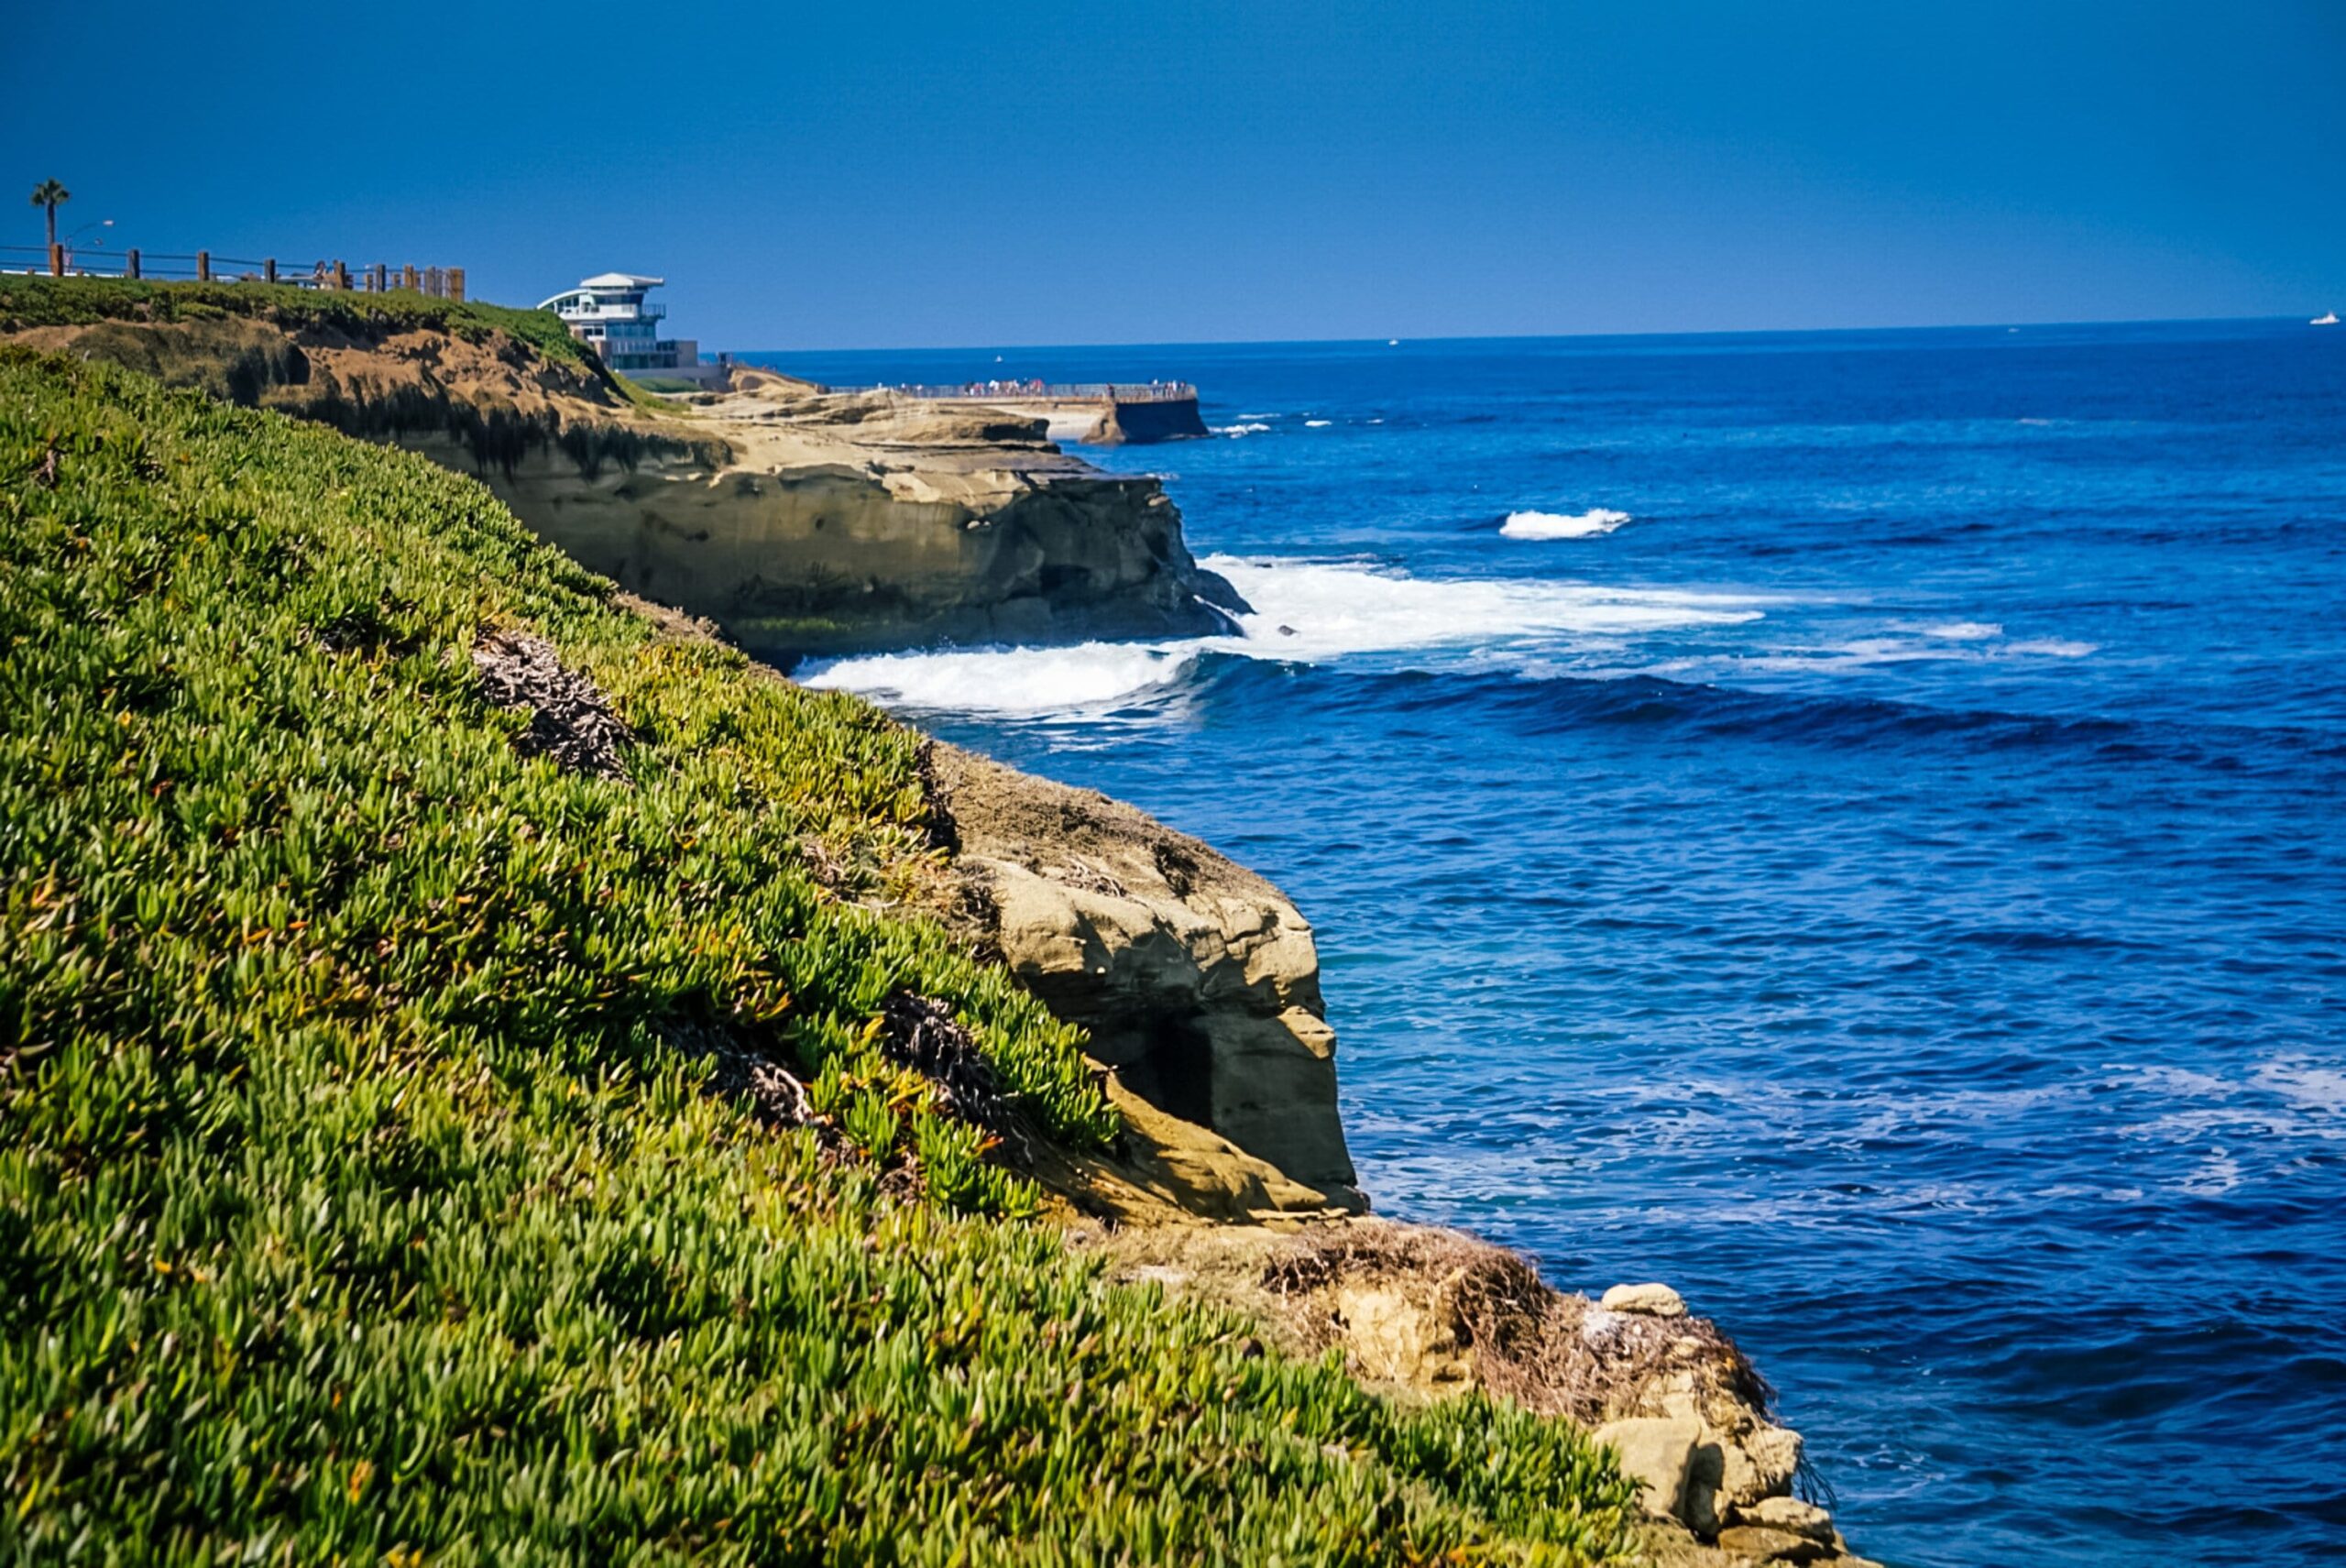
66	245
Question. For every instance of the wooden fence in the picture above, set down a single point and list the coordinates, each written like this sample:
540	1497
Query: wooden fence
202	267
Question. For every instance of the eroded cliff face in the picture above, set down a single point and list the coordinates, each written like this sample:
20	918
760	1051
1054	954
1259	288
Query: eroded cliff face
820	525
803	523
1198	980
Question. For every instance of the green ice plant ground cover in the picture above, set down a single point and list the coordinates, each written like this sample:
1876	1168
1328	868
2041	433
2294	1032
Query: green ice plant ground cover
363	1197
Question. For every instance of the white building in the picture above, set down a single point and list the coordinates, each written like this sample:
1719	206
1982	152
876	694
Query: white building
610	313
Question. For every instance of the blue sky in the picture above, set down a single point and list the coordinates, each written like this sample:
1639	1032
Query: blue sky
894	174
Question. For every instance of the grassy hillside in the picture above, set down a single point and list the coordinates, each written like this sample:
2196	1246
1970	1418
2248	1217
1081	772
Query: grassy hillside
376	1182
35	302
521	379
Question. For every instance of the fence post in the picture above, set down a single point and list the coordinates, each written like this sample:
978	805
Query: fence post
341	277
407	278
203	266
456	284
432	281
130	263
269	270
57	261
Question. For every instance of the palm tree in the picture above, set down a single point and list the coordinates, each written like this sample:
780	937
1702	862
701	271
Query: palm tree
49	193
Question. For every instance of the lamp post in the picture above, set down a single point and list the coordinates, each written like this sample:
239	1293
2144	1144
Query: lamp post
66	243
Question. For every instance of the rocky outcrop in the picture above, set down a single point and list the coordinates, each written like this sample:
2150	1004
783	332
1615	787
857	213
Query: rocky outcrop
1427	1314
1109	421
803	523
823	525
1136	423
1199	981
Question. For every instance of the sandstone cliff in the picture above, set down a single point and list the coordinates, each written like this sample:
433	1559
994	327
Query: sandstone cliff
807	524
1197	982
803	523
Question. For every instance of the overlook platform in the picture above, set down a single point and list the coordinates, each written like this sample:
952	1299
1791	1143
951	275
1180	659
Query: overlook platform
1099	413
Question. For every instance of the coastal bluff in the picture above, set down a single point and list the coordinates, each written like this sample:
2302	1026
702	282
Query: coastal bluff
612	773
803	523
806	523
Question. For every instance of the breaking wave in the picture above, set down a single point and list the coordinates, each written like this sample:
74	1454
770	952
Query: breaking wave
1304	612
1559	525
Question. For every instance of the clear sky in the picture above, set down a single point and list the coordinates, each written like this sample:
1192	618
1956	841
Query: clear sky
1001	172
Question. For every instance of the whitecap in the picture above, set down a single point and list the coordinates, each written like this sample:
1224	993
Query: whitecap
1317	423
1558	525
1965	631
2054	648
1241	428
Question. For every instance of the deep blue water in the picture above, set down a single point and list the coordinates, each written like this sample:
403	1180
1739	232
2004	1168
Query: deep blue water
1894	887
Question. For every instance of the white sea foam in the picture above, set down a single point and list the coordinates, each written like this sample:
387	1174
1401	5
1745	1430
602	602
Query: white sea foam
1012	680
1317	423
1559	525
1241	428
1965	631
2309	1084
1334	607
1304	611
1866	652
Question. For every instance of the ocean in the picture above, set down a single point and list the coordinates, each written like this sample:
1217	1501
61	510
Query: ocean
1847	824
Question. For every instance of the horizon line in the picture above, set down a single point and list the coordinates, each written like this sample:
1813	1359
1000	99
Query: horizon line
1539	336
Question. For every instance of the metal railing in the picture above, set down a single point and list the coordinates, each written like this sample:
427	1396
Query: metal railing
643	312
1037	390
203	266
1056	391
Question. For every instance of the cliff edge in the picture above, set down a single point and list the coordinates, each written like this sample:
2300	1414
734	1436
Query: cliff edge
803	523
809	523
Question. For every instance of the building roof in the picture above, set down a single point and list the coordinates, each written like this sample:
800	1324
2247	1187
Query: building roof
620	281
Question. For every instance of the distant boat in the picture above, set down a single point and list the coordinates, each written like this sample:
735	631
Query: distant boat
2327	318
